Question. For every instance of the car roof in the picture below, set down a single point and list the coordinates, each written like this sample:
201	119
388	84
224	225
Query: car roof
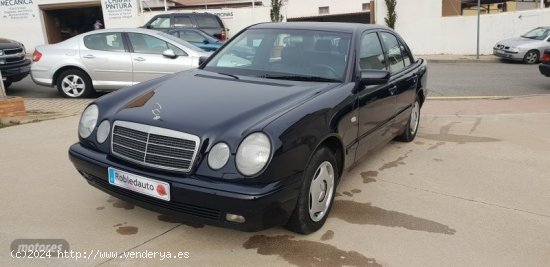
321	26
138	30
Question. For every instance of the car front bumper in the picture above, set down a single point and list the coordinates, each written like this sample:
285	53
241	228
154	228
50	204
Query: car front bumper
196	199
508	55
544	69
16	71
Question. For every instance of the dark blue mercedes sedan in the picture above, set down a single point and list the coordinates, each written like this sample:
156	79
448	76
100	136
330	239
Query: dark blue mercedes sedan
261	133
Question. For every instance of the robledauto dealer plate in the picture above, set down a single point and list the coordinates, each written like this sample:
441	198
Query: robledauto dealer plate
142	185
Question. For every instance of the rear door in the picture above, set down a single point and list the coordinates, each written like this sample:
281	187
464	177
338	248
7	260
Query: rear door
108	62
376	103
404	79
148	61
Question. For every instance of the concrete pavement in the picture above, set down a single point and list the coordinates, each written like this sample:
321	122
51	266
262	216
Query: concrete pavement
471	190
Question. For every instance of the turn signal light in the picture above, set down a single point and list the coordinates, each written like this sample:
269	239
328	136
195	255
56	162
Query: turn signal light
36	56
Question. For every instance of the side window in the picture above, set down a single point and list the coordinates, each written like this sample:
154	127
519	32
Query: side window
105	42
371	55
176	50
183	21
160	22
406	54
395	57
147	44
191	36
208	22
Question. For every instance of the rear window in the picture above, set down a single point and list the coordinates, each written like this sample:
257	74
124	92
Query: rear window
208	22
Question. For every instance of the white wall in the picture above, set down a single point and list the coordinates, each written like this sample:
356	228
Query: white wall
308	8
427	32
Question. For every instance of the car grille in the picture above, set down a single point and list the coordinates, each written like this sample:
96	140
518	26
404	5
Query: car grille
12	55
154	147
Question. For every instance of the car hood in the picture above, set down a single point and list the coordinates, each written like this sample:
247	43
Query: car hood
518	41
7	43
210	105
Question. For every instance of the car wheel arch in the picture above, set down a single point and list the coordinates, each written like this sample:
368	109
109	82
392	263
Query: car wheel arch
334	144
65	68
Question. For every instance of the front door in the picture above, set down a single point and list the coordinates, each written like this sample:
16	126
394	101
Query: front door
148	61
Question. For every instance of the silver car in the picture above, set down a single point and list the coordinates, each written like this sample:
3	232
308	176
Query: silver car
527	48
111	59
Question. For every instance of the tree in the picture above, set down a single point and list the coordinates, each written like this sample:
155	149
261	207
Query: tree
275	12
391	17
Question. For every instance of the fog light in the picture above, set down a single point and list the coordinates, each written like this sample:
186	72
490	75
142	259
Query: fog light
234	218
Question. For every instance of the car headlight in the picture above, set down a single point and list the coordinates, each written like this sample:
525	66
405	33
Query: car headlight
88	120
253	154
218	156
103	131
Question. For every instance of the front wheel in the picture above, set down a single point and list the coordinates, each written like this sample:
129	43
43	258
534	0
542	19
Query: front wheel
316	194
410	130
531	57
74	84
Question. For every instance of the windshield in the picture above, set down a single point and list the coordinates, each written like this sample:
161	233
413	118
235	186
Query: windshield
180	41
304	55
537	34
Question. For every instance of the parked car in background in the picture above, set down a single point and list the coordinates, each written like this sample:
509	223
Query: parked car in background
544	66
256	142
111	59
14	65
207	22
527	48
198	38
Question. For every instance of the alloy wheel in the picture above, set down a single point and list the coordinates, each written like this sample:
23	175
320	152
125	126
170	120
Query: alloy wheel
321	191
73	85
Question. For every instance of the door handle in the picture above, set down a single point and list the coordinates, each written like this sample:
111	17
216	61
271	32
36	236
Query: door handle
139	59
393	89
89	56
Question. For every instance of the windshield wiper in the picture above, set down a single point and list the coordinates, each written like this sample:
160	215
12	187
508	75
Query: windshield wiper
230	75
301	78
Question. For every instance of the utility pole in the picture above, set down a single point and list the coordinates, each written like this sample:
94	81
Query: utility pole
478	21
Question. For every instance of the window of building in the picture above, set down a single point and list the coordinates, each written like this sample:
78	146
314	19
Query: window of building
105	42
469	7
323	10
366	6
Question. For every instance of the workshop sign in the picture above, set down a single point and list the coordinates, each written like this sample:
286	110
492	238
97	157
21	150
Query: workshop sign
17	9
119	9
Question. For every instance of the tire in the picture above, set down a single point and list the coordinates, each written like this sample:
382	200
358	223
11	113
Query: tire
7	84
409	133
74	83
310	212
531	57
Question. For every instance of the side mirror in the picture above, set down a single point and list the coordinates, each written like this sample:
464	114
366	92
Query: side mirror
375	77
202	60
169	53
149	27
205	41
